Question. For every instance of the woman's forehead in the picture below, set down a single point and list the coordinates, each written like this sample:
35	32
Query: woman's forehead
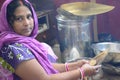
22	10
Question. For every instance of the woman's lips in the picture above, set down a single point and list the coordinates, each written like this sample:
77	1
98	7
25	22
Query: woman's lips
27	30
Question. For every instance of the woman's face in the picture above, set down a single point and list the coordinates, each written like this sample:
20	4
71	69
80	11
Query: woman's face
23	23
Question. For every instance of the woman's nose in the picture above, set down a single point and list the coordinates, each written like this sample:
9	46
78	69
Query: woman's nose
26	21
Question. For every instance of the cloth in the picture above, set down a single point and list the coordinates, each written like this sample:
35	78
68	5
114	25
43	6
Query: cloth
8	36
13	54
50	53
5	74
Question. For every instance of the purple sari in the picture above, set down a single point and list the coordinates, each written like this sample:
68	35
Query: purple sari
7	36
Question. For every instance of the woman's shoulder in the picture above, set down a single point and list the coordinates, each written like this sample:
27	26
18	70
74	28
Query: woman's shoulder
16	45
12	48
15	49
13	45
15	53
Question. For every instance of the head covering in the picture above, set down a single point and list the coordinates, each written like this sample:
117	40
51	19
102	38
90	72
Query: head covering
7	36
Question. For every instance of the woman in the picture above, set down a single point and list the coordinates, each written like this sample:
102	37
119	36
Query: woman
26	57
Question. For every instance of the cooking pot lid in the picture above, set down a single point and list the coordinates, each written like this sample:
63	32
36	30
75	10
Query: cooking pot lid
86	8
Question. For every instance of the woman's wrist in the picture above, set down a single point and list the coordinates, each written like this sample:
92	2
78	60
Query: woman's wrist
81	73
66	67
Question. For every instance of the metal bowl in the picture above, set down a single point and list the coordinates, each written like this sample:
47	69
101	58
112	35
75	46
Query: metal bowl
113	50
113	47
111	64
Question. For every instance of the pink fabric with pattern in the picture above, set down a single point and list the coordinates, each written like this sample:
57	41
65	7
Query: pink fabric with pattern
5	74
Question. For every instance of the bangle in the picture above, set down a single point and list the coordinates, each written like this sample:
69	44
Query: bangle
66	67
82	73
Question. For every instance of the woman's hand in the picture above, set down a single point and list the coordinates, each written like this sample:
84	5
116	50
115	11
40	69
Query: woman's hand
90	70
82	62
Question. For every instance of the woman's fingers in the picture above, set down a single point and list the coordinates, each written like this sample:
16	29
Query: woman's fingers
90	70
82	62
97	67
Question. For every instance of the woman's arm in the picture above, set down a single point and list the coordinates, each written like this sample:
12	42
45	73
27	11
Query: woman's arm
32	70
71	66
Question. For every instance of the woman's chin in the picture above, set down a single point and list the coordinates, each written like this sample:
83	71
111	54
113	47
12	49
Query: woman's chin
26	34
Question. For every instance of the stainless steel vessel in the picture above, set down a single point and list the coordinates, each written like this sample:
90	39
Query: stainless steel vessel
75	36
75	32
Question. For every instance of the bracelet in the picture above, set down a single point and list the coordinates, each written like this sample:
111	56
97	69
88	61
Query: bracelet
66	67
82	73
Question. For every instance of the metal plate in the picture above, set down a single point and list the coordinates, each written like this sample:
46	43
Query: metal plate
86	8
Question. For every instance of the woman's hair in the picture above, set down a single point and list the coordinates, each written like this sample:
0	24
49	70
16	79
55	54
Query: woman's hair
12	7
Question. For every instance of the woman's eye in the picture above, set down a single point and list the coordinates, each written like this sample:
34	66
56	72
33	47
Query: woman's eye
18	19
29	16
